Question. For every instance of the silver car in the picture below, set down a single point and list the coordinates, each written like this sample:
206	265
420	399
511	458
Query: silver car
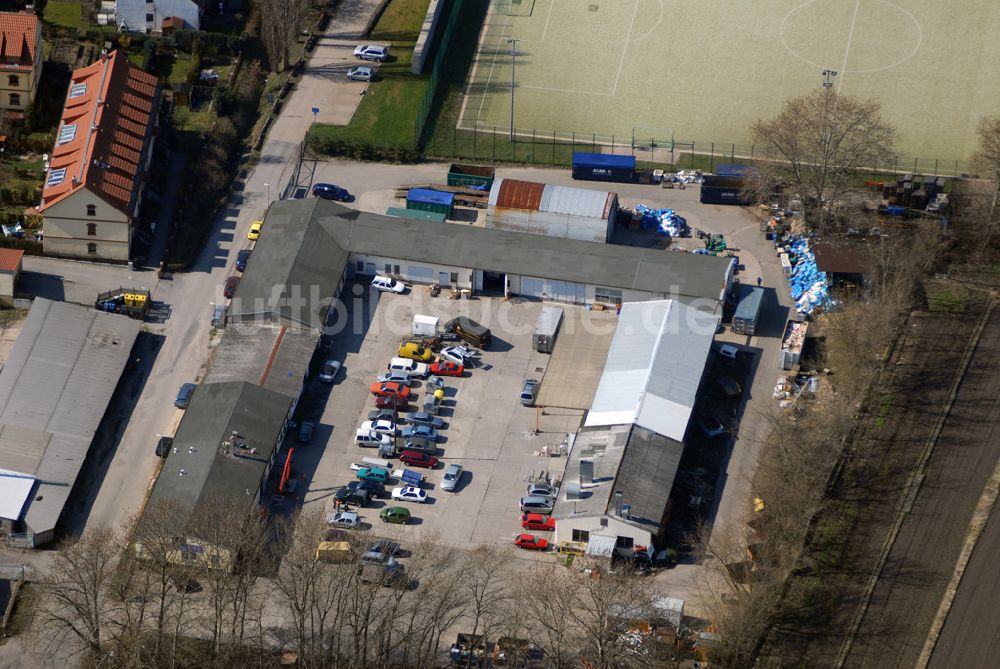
542	490
361	73
451	477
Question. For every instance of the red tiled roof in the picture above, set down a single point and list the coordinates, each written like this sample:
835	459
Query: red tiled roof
18	37
10	259
111	116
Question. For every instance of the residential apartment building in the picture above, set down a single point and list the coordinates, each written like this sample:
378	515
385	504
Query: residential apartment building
20	62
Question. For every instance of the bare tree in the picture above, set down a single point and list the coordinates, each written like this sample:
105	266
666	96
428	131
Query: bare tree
987	159
486	586
543	596
78	604
820	142
279	26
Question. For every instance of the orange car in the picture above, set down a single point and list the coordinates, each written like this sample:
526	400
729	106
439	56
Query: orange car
531	542
536	521
390	389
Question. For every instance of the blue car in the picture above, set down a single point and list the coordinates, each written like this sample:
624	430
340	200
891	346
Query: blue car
241	260
420	432
331	192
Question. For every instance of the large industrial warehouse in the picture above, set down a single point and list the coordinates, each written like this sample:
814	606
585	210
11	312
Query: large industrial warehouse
54	390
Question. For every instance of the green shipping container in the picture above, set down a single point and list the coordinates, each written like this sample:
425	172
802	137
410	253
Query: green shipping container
416	214
471	175
425	199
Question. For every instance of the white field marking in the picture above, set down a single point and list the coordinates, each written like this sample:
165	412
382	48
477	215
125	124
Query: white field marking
566	90
547	17
475	70
489	78
653	29
847	49
628	37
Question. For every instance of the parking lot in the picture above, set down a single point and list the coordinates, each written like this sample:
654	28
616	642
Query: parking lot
486	428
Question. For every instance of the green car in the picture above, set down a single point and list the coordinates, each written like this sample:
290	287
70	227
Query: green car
376	474
395	514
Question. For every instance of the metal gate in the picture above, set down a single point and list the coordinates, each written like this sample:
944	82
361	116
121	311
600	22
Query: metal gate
420	274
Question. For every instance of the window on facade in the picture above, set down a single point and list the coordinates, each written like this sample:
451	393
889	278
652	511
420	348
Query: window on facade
454	278
359	266
149	18
92	229
395	269
388	268
91	210
15	99
13	80
91	247
607	295
624	542
582	536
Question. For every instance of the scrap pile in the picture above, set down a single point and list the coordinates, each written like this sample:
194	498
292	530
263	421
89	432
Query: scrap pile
807	283
665	221
688	177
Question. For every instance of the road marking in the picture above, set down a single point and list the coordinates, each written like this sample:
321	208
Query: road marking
628	37
847	49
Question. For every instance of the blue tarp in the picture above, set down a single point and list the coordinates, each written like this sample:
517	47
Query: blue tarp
665	221
808	284
430	196
609	160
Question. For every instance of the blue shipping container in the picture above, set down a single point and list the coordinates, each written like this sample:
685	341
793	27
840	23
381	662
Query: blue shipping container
733	170
721	195
429	196
604	167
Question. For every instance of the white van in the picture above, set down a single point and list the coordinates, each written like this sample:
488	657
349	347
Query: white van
365	437
531	504
408	367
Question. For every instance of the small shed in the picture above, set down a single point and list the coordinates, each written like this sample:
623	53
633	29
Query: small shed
844	265
425	199
10	273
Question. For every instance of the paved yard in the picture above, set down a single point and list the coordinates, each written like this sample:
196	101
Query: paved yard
578	358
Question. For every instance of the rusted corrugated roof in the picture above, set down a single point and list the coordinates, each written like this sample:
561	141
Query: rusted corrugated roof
513	194
18	36
111	104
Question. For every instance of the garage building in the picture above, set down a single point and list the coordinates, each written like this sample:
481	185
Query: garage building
625	457
54	390
554	211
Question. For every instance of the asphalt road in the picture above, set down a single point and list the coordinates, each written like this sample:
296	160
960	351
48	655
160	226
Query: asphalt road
924	554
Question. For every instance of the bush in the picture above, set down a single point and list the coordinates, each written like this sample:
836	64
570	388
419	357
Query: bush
360	150
29	246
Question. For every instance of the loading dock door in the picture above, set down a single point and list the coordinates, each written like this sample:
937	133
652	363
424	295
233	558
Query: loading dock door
420	274
532	287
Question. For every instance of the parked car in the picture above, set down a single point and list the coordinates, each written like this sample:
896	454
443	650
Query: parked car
380	551
531	542
420	432
390	574
541	505
418	459
377	474
163	446
536	521
388	284
529	391
414	351
711	426
458	355
219	316
230	288
254	233
354	493
373	52
423	418
395	402
361	73
346	520
471	331
331	192
408	366
452	476
394	389
542	490
409	493
241	259
395	377
184	395
306	428
447	368
329	371
380	427
395	514
420	446
383	414
369	438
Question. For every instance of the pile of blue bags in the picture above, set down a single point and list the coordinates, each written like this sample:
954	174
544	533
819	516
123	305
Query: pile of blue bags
808	284
665	221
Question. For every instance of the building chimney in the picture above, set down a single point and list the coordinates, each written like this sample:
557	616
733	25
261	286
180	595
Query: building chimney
619	501
104	55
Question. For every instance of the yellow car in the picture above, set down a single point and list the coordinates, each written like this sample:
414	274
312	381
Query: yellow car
414	351
254	233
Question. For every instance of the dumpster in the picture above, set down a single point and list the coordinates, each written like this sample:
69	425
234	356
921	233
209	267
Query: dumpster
477	176
425	199
604	167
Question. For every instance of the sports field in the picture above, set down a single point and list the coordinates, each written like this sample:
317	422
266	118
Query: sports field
705	69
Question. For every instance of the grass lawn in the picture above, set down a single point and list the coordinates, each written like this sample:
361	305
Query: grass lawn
66	14
386	116
180	69
136	59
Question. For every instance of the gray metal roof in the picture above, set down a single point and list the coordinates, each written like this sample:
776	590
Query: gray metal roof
647	474
577	201
197	470
293	271
605	447
654	367
57	382
273	356
290	223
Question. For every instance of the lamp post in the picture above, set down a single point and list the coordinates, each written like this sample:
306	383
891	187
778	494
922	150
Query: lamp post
513	57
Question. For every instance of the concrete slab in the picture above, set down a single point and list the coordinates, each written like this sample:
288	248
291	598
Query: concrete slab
577	361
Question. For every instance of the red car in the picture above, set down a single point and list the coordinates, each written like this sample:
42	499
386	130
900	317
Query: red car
531	543
392	402
230	288
446	368
418	459
536	521
390	389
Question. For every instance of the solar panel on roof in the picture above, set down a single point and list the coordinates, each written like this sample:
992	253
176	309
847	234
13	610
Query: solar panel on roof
67	133
76	90
56	177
